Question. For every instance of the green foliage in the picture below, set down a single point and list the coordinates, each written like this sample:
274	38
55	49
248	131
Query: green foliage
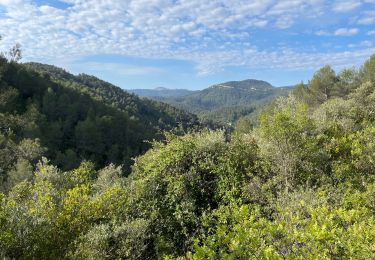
367	72
322	85
16	157
177	181
286	134
298	184
355	154
299	229
22	171
114	241
325	85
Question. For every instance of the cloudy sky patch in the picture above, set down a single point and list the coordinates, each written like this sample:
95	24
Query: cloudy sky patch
148	43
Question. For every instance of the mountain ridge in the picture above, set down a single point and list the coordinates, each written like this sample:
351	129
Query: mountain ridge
223	102
161	92
228	101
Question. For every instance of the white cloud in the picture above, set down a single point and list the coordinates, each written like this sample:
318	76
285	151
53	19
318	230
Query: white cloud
361	44
366	44
345	6
371	32
284	22
367	18
211	34
145	28
117	68
322	33
346	32
12	2
338	32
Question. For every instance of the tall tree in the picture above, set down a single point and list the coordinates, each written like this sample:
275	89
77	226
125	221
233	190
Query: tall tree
322	83
367	72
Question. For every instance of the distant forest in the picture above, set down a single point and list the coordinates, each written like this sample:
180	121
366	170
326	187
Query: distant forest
223	103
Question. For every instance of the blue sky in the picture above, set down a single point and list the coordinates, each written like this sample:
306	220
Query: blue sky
191	43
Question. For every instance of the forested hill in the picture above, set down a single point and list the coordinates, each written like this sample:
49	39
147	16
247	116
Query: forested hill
227	102
161	92
156	114
47	111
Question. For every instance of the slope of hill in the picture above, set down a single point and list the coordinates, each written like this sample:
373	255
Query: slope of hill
228	101
76	118
161	92
160	115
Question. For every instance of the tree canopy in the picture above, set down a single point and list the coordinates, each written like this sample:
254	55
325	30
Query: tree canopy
299	184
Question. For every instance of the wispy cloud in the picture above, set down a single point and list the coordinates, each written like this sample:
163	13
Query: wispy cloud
322	33
344	6
361	44
346	32
338	32
118	68
367	18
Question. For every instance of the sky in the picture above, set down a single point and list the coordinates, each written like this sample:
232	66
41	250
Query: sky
191	43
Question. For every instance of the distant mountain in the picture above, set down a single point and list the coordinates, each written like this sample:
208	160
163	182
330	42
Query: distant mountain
161	92
227	102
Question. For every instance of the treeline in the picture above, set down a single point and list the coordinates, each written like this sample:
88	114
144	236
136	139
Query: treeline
299	185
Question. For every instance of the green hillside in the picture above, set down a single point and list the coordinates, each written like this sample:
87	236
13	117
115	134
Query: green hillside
71	118
227	102
156	114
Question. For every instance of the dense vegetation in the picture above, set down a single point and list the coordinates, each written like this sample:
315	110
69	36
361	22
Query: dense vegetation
227	102
70	119
298	186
